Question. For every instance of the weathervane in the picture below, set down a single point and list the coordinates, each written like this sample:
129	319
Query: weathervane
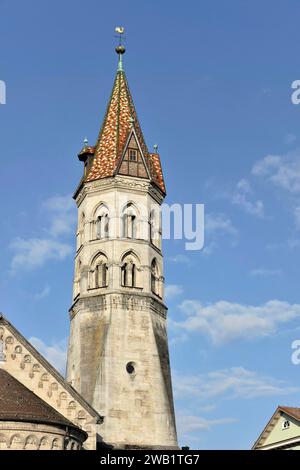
120	49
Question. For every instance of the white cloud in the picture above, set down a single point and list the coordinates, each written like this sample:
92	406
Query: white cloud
188	423
215	223
282	170
241	197
231	383
262	272
180	259
55	353
200	390
42	294
216	226
209	248
224	321
172	290
34	252
62	214
177	339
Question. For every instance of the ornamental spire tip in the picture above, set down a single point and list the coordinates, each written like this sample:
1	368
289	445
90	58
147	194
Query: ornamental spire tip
120	49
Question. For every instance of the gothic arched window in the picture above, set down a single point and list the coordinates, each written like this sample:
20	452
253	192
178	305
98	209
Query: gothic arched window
129	222
101	223
102	226
151	226
78	267
155	278
81	229
98	273
129	270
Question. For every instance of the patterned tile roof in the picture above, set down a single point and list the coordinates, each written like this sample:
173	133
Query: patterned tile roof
119	119
87	149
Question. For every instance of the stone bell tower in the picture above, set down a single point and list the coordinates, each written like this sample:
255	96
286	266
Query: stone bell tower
118	357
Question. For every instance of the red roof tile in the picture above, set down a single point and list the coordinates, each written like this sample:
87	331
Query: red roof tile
293	412
18	403
119	119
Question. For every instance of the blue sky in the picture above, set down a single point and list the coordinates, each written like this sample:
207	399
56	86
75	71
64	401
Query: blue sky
211	81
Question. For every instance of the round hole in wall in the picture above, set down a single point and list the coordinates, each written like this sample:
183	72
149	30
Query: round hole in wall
130	367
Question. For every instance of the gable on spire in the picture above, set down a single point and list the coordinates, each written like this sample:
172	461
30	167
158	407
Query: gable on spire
133	161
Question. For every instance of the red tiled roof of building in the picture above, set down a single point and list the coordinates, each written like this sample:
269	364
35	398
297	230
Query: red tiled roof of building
119	120
87	149
158	174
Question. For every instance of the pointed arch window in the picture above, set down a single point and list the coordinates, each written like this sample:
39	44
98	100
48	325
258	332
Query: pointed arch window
81	227
129	221
102	226
155	279
99	273
151	226
77	278
101	223
129	271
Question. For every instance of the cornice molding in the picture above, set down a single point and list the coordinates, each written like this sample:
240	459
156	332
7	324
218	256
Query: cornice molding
127	301
120	182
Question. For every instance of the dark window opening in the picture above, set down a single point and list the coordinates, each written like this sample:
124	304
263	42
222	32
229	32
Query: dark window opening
130	367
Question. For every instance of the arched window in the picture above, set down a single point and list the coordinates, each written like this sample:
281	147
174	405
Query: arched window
151	226
155	279
129	222
81	229
77	278
129	270
103	226
101	223
98	274
155	226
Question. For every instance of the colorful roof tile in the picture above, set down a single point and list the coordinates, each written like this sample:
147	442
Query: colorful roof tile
118	122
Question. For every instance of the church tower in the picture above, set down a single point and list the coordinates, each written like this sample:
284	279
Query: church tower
118	357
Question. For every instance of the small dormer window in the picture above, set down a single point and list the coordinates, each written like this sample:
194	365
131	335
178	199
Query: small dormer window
285	424
132	155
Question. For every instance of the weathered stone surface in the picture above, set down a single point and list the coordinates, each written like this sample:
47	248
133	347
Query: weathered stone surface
25	364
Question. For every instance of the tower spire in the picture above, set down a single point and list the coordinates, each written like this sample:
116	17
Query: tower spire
120	122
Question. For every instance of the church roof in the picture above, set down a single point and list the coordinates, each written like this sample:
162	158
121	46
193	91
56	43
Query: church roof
61	380
119	120
18	403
